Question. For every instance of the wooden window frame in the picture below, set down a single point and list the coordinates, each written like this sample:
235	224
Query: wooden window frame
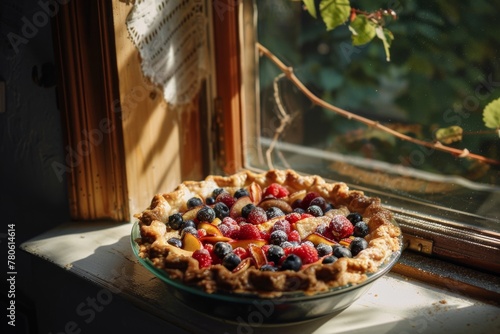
140	145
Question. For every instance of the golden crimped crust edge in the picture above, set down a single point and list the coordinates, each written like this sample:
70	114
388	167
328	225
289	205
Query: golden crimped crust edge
384	237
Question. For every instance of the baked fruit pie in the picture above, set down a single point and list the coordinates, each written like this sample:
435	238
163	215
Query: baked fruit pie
267	233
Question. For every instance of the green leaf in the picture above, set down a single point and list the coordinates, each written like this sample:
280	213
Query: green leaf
386	37
310	7
450	134
363	30
491	114
334	12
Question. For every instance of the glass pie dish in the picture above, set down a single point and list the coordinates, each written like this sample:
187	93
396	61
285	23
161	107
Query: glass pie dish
290	307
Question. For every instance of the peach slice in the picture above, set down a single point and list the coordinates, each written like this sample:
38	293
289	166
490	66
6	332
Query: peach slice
235	210
255	192
307	226
247	242
317	239
212	239
191	213
276	202
300	194
258	255
211	229
244	264
191	243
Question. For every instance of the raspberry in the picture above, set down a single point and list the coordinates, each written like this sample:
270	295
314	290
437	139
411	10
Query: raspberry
264	235
230	231
210	249
249	232
276	190
202	232
282	225
305	215
306	201
240	220
293	217
340	227
306	252
229	221
325	231
226	198
257	216
241	252
265	248
203	257
294	236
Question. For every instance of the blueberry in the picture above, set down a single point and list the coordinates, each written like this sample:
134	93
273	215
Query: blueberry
175	221
245	211
328	207
206	214
310	243
321	228
189	229
286	244
296	204
341	251
268	267
209	200
240	193
315	211
329	259
354	217
217	192
319	201
357	245
361	229
188	223
221	210
231	261
324	249
299	210
175	242
277	237
194	201
275	253
274	212
221	249
292	262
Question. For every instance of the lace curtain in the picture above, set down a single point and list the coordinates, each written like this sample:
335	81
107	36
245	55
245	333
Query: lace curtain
171	38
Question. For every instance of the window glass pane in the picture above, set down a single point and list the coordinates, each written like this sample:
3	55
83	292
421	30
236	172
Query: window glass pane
444	69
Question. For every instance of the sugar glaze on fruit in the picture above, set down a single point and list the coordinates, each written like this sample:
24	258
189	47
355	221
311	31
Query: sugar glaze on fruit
267	233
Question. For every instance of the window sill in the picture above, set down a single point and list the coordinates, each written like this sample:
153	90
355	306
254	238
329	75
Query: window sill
101	253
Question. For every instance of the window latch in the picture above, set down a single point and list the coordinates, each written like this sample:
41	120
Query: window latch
417	244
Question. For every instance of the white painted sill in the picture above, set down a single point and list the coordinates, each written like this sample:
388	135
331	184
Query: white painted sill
101	253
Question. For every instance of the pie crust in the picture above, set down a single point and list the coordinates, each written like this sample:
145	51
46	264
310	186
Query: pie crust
384	237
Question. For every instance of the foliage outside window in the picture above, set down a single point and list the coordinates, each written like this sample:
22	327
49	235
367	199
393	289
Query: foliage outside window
442	74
